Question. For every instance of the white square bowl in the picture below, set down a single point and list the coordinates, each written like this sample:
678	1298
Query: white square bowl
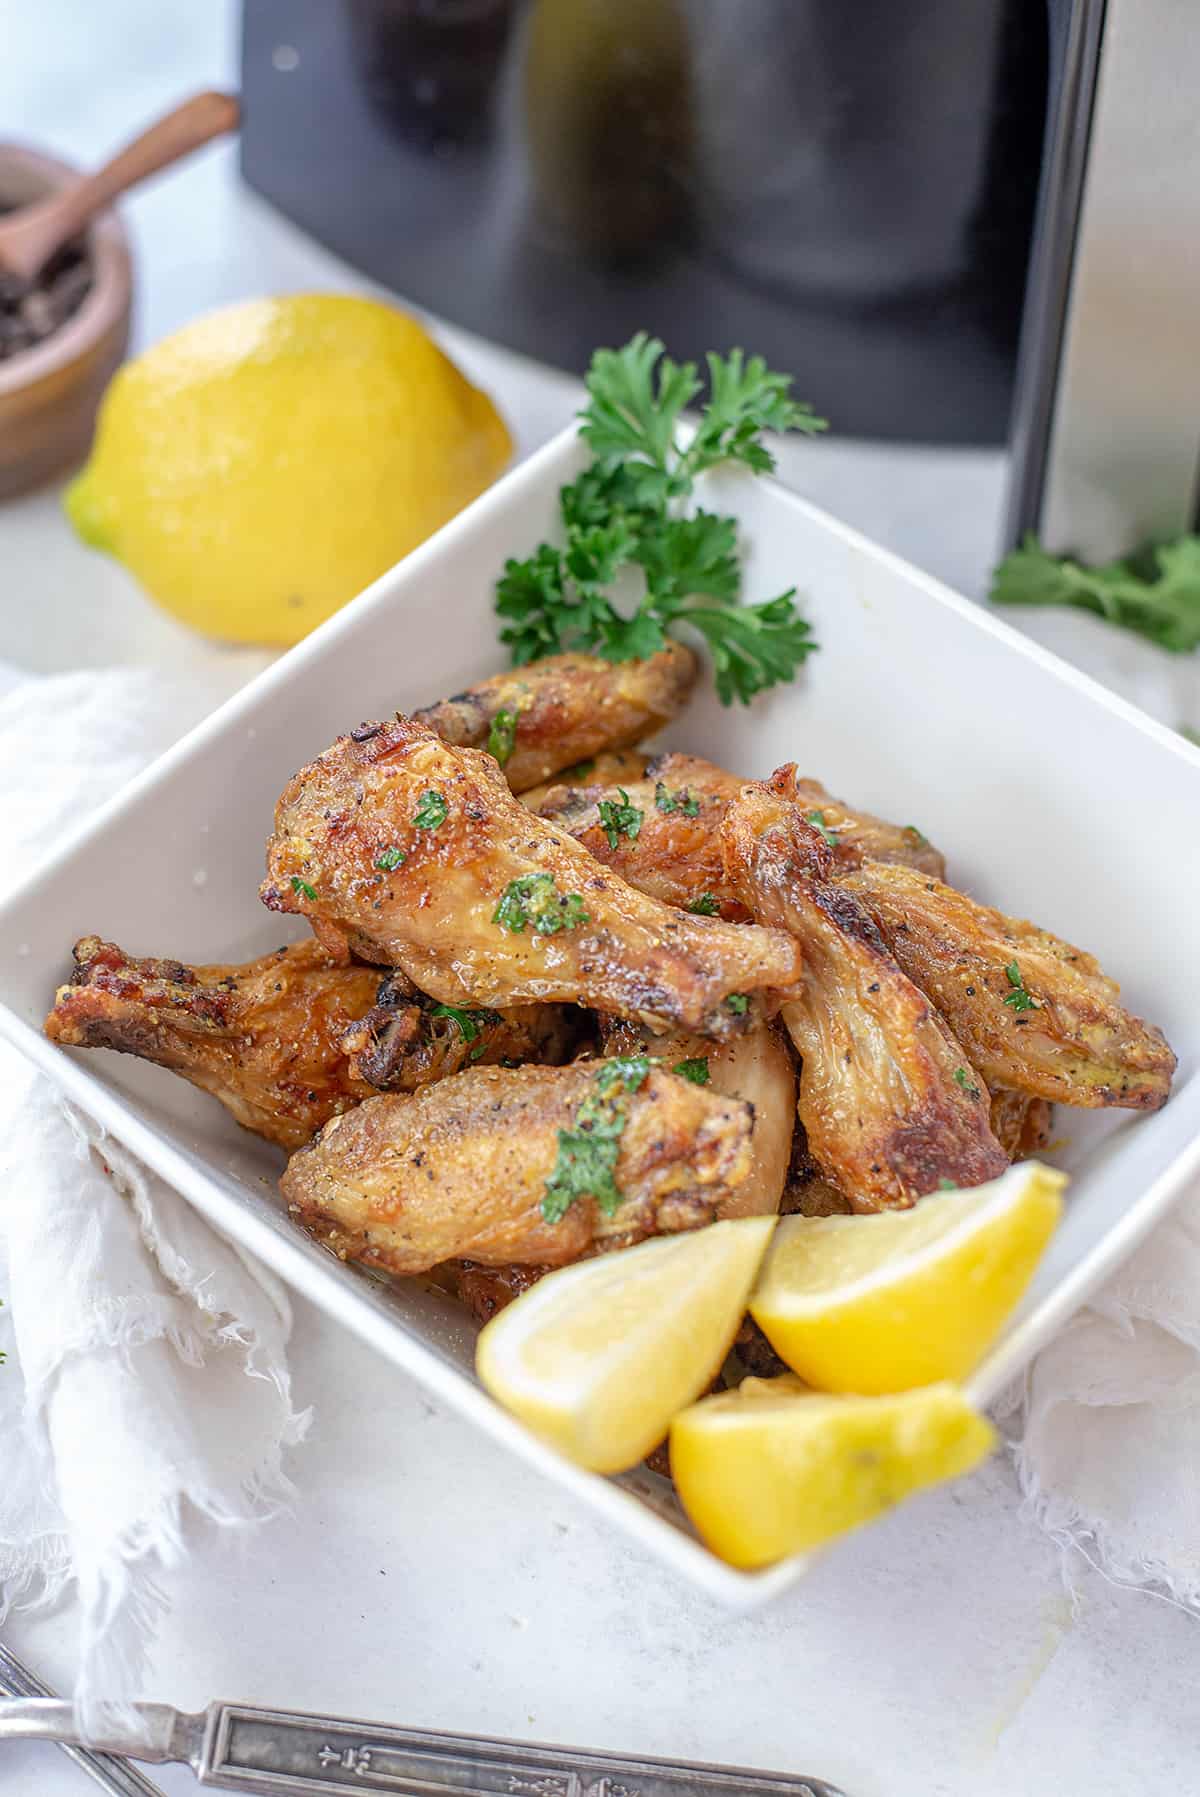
1050	796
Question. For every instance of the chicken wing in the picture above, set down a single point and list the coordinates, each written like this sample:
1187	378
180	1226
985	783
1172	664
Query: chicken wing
758	1068
616	768
563	709
856	836
291	1039
526	1165
414	854
889	1100
1031	1011
661	833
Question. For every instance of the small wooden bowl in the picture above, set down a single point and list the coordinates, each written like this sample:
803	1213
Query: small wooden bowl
49	393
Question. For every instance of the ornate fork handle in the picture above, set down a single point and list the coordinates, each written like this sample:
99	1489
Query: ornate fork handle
280	1753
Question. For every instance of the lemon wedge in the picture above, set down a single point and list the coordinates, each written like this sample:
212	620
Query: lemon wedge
598	1357
774	1469
904	1298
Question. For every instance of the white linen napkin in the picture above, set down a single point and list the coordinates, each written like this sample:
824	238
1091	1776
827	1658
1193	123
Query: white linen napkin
146	1386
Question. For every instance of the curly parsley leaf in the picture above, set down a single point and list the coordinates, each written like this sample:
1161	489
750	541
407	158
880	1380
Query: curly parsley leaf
620	514
705	906
738	1003
303	888
391	859
696	1070
667	801
1154	593
619	818
965	1083
817	820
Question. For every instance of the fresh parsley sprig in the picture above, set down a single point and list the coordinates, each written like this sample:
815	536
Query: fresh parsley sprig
1154	593
625	512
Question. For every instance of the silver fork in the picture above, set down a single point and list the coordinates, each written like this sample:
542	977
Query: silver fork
113	1775
238	1747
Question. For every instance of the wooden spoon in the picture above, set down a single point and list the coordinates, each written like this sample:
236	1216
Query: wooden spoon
30	236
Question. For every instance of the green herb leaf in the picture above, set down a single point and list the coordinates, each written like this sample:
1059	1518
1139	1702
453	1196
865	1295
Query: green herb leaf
391	859
705	906
675	801
619	818
534	899
696	1070
469	1022
1017	998
946	1185
303	887
738	1003
503	735
914	835
619	514
431	811
580	771
963	1079
586	1163
817	820
1155	593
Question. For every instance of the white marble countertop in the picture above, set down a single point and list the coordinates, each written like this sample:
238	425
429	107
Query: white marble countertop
424	1575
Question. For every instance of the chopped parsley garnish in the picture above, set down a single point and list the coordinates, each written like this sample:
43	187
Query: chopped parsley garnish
817	820
535	900
391	859
705	906
1155	592
914	835
502	735
469	1022
431	811
580	771
588	1151
624	512
696	1070
963	1079
738	1003
1016	998
303	887
619	818
675	801
946	1185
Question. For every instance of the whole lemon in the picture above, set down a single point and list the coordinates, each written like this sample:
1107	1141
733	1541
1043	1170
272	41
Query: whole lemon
264	464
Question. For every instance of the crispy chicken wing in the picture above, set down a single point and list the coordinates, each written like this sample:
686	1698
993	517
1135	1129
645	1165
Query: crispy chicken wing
672	849
857	836
415	854
460	1170
758	1068
889	1101
1056	1030
807	1192
617	768
263	1037
291	1039
564	708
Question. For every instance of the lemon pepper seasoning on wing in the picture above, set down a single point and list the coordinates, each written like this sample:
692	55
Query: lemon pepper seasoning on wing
414	854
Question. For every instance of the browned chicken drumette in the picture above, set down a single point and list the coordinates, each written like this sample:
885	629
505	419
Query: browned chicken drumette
889	1101
291	1039
408	852
563	709
523	1165
613	768
1032	1012
758	1068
